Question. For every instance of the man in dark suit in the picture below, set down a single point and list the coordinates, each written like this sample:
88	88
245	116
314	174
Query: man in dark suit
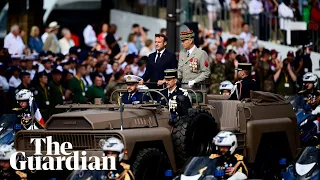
172	90
246	84
159	61
133	96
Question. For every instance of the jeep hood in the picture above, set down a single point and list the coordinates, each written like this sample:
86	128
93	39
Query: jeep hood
101	119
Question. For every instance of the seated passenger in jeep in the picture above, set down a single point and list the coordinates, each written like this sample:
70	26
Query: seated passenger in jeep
230	163
133	96
172	90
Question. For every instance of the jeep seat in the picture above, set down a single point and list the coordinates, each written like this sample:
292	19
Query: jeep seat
226	114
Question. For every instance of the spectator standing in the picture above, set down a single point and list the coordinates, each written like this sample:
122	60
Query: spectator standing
142	66
245	34
52	43
114	85
15	80
56	91
132	49
315	23
4	85
90	37
76	91
112	42
140	34
159	61
66	42
237	9
42	95
231	64
96	90
45	34
13	41
213	7
286	15
265	74
35	42
147	49
218	68
255	7
285	79
102	37
87	78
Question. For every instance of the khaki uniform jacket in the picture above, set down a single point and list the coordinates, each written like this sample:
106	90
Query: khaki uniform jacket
195	67
51	44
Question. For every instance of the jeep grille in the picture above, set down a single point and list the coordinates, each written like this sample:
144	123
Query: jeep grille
79	141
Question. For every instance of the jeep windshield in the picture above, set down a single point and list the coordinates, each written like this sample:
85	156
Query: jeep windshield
196	164
7	122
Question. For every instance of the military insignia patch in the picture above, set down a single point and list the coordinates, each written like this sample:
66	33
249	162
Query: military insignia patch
174	97
206	63
129	78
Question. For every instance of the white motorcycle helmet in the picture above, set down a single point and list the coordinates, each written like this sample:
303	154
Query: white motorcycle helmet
226	139
113	144
24	95
310	77
225	85
6	151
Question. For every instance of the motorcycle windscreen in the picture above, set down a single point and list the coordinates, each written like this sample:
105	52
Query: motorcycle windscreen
308	159
197	165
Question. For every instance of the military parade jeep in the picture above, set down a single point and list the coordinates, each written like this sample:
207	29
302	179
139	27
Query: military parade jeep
265	125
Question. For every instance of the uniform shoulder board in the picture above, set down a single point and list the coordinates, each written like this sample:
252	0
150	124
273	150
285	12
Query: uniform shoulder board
21	174
89	178
212	156
239	157
302	91
318	91
125	166
201	170
16	109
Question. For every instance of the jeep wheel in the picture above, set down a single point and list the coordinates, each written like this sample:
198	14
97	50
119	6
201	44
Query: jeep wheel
192	135
150	164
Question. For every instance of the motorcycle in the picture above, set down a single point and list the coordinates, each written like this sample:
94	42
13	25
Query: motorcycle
306	167
205	168
7	131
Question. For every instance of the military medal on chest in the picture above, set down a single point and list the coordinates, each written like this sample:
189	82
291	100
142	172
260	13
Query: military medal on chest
193	63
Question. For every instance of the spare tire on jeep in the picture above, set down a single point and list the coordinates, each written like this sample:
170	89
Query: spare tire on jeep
192	135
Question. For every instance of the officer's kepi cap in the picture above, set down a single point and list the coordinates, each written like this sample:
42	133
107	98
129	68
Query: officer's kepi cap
132	79
244	66
170	73
56	71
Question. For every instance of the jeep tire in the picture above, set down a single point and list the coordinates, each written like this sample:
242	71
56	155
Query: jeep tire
150	164
192	135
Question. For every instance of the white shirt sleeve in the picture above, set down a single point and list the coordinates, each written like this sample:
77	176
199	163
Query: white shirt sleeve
6	41
285	12
4	83
255	7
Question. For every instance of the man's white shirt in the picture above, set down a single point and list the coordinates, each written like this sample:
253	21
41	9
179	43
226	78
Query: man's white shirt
14	44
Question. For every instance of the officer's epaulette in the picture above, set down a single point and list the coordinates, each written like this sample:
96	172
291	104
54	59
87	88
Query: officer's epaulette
21	174
125	166
89	178
318	91
302	91
212	156
239	157
16	109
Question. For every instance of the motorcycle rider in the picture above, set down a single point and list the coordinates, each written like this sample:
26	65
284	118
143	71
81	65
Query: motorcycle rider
7	173
228	161
310	94
114	147
24	121
225	87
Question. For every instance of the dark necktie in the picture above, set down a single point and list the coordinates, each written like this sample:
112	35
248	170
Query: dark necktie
129	97
169	94
158	57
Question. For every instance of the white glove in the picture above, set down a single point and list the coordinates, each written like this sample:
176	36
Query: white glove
316	111
238	176
191	83
185	92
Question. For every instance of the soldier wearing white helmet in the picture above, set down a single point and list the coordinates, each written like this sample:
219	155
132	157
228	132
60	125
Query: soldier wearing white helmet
310	93
114	147
225	87
24	120
226	143
7	173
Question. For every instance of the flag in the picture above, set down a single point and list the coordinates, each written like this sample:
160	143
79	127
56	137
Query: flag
37	114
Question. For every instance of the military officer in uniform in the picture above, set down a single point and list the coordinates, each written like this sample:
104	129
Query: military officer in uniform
172	90
310	96
7	173
193	66
24	121
228	161
56	91
243	87
42	95
133	96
